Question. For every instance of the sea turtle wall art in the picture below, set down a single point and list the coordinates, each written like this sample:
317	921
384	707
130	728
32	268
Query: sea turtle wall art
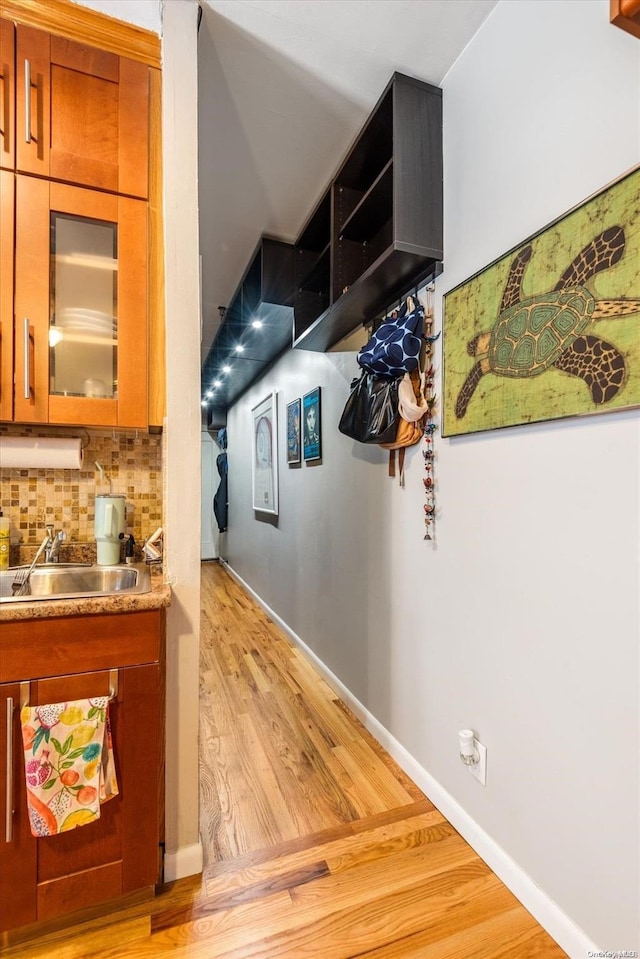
552	329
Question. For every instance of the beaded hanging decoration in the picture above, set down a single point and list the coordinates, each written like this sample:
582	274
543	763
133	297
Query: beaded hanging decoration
430	427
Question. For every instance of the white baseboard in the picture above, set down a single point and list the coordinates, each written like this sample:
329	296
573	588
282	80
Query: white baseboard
186	861
560	927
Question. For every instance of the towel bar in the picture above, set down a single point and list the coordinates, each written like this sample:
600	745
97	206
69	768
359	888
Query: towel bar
113	687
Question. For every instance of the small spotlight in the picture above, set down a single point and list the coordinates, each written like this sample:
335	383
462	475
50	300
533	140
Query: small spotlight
226	369
217	383
208	395
256	324
239	348
204	403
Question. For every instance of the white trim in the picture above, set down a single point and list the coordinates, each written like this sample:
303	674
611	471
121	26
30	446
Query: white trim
559	926
187	861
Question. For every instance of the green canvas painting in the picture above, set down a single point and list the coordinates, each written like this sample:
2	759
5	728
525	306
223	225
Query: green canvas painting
552	328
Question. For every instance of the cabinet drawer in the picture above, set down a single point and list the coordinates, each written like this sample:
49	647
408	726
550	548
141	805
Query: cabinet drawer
56	647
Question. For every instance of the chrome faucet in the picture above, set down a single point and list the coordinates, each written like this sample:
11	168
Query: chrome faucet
52	547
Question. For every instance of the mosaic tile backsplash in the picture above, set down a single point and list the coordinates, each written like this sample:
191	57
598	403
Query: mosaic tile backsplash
31	498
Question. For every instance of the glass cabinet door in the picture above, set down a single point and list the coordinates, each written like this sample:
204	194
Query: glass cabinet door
6	294
83	323
80	306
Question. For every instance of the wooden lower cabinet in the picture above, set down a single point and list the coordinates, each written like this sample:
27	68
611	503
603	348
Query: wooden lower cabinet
18	862
45	878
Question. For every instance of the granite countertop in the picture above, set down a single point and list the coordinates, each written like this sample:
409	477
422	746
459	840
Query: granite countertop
159	596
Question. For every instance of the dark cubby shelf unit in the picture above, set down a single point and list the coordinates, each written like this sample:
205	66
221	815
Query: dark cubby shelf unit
381	217
312	259
265	292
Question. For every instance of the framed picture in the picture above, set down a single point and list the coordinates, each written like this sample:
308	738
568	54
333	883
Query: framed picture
264	435
552	328
293	432
311	446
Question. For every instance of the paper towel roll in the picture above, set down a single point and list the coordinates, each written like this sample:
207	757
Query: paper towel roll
40	452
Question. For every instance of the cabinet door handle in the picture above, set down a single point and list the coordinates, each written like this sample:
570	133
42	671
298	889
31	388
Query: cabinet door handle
8	833
27	361
4	119
27	101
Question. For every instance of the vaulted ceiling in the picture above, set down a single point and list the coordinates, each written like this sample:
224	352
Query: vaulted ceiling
284	87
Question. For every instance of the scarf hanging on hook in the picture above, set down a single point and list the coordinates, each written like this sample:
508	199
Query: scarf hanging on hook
394	348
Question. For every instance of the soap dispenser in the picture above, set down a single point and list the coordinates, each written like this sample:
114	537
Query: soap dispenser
129	543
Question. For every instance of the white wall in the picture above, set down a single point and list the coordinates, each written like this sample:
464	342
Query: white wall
522	619
554	509
142	13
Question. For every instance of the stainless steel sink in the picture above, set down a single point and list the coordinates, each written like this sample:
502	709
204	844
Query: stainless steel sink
75	581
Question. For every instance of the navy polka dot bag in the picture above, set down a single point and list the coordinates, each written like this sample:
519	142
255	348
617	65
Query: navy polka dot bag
394	348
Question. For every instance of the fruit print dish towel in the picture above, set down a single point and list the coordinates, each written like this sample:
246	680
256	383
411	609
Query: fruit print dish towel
69	763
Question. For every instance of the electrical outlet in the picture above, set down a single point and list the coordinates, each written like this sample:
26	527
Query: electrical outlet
479	769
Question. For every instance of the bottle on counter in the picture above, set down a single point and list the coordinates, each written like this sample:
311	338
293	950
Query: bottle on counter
4	541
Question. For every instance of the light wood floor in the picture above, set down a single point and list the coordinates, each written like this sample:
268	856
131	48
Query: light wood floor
317	845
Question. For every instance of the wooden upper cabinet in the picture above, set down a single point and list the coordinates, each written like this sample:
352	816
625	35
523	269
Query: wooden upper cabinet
7	96
80	220
82	114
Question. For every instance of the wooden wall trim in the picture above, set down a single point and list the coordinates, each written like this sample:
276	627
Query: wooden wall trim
84	25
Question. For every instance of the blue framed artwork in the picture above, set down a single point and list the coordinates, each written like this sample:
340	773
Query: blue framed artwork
311	445
293	431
